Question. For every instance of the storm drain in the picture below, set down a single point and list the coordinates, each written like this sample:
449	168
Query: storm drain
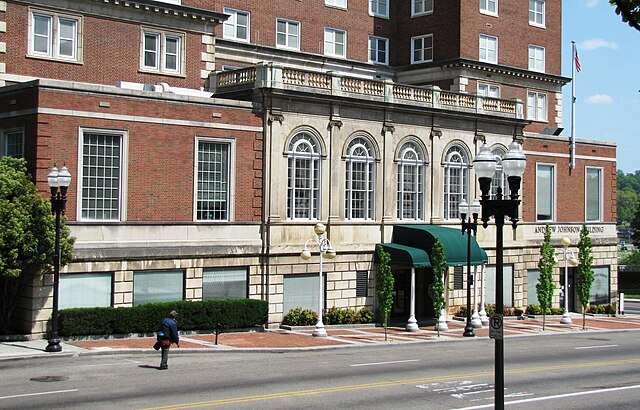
46	379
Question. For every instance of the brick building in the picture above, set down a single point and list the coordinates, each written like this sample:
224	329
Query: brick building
204	153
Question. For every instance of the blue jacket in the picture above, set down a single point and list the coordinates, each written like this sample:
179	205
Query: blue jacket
170	329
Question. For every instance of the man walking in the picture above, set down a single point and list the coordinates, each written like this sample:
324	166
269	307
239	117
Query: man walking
168	334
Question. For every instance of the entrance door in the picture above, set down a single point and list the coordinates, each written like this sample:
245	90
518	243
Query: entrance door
569	290
402	301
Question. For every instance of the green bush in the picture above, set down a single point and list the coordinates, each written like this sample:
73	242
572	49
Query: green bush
332	316
192	315
489	309
534	310
557	311
608	309
300	317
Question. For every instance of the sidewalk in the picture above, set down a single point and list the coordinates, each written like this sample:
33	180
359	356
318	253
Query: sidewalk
279	340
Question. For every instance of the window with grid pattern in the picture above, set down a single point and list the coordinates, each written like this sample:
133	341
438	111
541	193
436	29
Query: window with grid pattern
379	8
303	190
536	58
101	169
54	36
378	50
162	52
236	27
536	12
224	283
456	173
335	42
489	7
488	90
410	200
336	3
422	49
213	181
157	286
536	106
488	49
288	34
360	181
12	143
421	7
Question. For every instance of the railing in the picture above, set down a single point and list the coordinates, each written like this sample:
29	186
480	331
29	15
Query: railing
268	75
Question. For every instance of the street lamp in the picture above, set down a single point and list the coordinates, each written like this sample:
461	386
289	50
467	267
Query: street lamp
58	182
513	165
326	251
573	261
469	226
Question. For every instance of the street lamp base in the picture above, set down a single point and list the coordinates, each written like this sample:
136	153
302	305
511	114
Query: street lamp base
566	318
468	331
319	331
412	325
54	345
475	321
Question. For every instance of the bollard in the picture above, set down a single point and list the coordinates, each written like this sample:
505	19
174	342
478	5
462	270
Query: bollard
218	330
622	304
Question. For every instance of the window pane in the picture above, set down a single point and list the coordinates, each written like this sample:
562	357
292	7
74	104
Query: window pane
101	176
593	194
41	33
228	283
533	276
151	42
507	285
300	291
600	287
172	53
156	286
67	38
85	290
213	181
544	193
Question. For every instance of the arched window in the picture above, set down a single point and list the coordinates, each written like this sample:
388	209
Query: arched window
499	178
456	174
360	179
410	199
303	188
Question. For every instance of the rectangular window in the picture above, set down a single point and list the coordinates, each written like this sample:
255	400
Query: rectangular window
536	12
335	42
85	290
507	285
157	286
599	294
488	49
489	7
224	283
378	50
56	36
12	143
237	25
300	291
593	194
101	176
533	276
336	3
422	49
419	7
488	90
213	190
379	8
536	59
536	106
162	52
288	34
362	284
545	192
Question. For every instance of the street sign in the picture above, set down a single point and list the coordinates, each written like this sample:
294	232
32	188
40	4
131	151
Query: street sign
496	326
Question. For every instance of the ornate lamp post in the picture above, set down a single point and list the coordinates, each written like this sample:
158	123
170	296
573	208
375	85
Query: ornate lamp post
58	182
326	251
573	261
513	163
469	226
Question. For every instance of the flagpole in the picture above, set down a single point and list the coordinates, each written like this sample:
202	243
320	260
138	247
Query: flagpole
573	106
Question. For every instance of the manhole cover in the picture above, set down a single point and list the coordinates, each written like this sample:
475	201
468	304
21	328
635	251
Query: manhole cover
49	379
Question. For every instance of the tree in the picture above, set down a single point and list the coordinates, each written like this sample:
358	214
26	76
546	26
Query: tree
585	273
27	236
384	285
545	285
627	203
629	10
436	289
635	227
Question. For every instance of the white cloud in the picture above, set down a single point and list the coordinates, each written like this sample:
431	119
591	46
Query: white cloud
600	99
592	3
597	43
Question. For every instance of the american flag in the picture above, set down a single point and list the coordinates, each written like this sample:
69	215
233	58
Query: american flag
577	62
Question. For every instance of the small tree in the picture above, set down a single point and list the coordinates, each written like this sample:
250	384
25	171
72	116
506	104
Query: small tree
27	236
635	226
436	289
384	286
545	285
585	273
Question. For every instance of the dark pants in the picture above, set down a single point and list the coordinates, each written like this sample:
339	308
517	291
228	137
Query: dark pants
165	356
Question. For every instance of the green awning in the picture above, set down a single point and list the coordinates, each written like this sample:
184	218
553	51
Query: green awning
406	255
422	237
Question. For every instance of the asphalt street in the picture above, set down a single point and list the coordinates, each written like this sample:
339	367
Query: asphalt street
583	370
632	306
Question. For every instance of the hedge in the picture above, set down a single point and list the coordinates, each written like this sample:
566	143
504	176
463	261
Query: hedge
192	315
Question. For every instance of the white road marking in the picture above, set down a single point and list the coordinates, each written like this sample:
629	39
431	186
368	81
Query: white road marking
594	347
557	396
381	363
37	394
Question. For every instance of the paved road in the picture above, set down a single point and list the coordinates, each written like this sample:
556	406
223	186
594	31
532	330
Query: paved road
587	371
632	306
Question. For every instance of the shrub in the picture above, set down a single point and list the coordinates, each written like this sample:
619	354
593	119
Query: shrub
489	309
557	311
365	315
602	309
462	311
300	317
332	316
534	310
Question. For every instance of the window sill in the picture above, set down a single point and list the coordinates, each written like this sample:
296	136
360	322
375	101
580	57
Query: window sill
55	60
155	72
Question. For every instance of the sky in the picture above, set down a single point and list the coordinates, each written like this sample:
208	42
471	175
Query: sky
608	85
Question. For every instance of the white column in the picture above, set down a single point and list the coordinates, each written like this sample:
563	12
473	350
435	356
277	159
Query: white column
412	323
475	318
483	314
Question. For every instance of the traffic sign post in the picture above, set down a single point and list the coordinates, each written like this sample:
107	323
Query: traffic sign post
496	326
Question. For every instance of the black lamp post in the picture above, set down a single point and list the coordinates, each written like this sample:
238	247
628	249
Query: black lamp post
58	182
469	226
513	164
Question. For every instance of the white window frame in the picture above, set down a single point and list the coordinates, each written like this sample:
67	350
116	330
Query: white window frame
422	49
375	7
456	158
374	41
230	176
489	90
421	7
552	191
330	42
537	58
485	43
217	276
4	142
161	52
360	158
304	149
341	4
486	6
288	35
87	290
54	38
122	176
537	106
230	26
537	13
600	192
410	199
